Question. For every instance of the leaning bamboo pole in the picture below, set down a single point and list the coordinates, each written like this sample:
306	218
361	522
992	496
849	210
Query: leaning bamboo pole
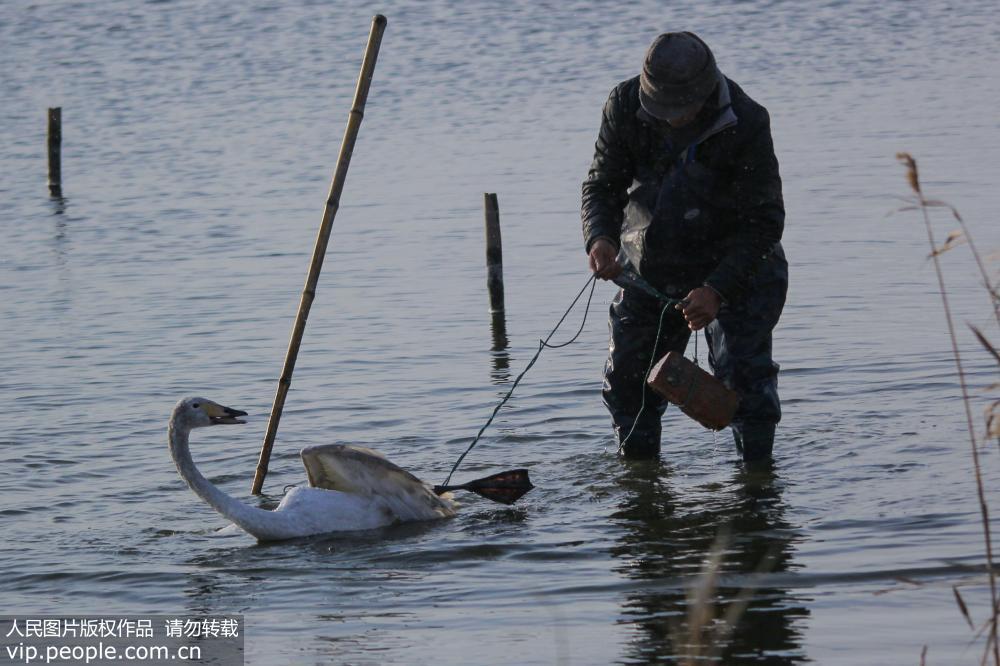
319	253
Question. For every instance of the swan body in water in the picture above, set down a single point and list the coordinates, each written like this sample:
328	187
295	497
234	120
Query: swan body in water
350	488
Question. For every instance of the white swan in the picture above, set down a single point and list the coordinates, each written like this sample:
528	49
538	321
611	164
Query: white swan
351	488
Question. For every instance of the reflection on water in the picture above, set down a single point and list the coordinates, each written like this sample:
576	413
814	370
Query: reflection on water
58	203
500	355
666	539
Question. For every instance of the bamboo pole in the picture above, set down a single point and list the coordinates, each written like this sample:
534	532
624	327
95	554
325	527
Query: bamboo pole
319	253
494	252
55	151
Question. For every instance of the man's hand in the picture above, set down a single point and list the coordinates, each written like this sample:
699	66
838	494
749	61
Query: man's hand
700	307
603	256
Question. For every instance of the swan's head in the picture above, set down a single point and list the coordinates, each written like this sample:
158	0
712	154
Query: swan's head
199	412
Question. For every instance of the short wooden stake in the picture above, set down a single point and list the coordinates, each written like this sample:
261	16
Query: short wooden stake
55	150
494	253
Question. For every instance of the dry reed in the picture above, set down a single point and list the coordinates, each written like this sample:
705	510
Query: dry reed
921	203
708	633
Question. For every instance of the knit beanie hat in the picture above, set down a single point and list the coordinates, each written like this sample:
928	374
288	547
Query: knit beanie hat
678	74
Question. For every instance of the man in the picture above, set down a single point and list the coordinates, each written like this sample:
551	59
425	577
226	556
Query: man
684	186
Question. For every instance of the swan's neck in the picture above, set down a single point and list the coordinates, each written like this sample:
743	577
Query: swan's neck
258	522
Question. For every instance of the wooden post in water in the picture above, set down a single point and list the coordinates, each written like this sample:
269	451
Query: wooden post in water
55	150
494	283
319	253
494	253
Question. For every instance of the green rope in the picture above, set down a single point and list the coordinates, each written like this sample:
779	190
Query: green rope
645	377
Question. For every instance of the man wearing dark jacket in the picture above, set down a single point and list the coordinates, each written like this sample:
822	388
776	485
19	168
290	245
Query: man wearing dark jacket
684	188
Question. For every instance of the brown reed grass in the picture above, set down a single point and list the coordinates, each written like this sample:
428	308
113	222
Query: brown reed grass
709	632
921	203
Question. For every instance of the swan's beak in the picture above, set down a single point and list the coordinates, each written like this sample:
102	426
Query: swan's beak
221	415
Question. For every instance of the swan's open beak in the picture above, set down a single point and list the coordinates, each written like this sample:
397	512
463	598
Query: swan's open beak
222	415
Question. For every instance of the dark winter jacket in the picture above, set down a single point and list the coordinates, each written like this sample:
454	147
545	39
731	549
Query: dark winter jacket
742	189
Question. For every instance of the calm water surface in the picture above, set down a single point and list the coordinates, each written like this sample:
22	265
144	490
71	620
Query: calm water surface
199	139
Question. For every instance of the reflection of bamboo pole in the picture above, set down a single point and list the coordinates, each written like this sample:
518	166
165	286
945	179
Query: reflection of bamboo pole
55	149
494	252
332	204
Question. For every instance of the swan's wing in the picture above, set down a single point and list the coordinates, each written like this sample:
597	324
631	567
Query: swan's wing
360	471
352	469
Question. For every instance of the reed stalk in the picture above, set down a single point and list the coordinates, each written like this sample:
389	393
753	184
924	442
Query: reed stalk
924	205
708	633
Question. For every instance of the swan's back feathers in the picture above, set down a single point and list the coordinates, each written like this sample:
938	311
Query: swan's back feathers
367	473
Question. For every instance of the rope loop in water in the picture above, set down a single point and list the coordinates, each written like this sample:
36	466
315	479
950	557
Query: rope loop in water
542	344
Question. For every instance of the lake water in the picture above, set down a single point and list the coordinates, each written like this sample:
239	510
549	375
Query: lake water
198	143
